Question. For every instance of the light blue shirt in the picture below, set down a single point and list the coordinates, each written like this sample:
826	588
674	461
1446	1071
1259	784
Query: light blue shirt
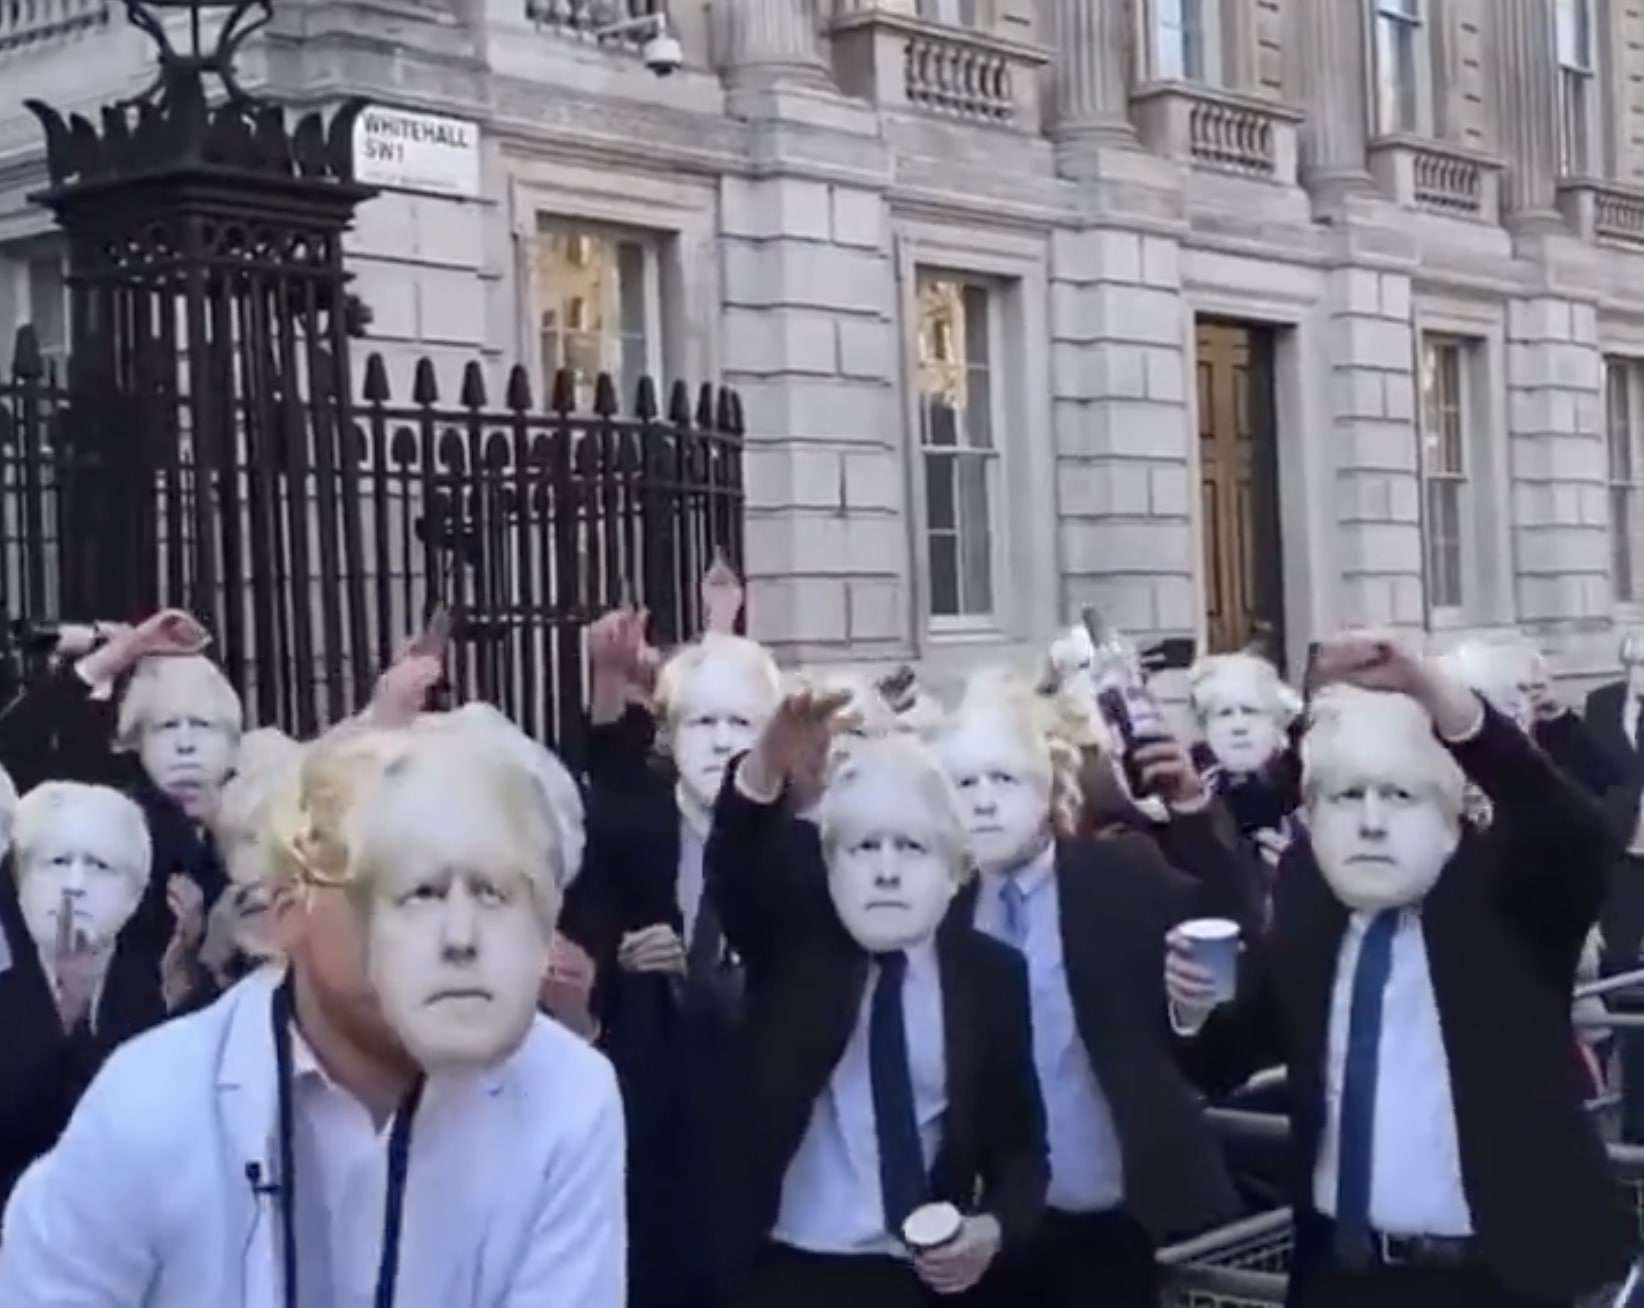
688	884
831	1202
1415	1178
1086	1162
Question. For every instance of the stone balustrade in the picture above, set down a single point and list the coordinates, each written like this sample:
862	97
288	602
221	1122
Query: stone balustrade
582	19
1220	130
1438	177
27	25
1603	211
897	60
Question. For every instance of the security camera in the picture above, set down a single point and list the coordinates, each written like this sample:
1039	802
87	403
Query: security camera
663	55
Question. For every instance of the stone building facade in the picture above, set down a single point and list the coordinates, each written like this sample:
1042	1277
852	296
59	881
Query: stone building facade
1240	318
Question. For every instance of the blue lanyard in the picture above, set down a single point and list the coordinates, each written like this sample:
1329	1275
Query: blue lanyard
399	1161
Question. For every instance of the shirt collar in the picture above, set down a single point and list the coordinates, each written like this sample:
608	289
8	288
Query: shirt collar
1031	878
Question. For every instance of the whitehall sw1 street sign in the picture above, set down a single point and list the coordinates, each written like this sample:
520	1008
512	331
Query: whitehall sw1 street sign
408	151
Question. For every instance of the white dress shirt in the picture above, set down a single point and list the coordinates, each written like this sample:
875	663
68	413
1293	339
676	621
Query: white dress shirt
831	1201
1086	1161
341	1164
1415	1179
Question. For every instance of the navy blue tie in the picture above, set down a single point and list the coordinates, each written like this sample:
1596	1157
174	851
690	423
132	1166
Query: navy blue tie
902	1180
1358	1095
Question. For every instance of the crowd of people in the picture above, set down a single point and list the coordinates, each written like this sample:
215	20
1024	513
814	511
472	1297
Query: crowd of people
811	989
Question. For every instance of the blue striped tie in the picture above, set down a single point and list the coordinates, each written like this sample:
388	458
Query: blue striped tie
903	1184
1358	1096
1015	904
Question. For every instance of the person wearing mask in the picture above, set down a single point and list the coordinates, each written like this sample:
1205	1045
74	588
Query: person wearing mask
385	1120
1132	1162
71	986
891	1137
1416	981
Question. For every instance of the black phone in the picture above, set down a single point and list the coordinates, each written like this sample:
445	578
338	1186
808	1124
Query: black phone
1173	654
1115	711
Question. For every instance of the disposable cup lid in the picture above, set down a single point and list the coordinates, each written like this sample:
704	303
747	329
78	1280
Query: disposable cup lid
931	1226
1210	929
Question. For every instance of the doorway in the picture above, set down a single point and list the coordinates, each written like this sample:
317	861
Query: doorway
1239	489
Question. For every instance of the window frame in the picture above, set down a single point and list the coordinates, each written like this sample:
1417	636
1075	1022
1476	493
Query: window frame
993	458
1629	490
1460	476
1578	91
1031	608
951	13
1212	44
652	244
1380	15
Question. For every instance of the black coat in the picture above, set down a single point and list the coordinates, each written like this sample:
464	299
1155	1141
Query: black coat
1504	927
669	1040
1118	899
805	980
43	1072
1623	918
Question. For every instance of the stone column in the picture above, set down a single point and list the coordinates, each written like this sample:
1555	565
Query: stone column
1091	100
773	41
1331	48
1527	81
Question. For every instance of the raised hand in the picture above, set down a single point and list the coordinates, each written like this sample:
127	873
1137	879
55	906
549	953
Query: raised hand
1167	771
178	972
171	632
568	987
793	748
79	969
1381	661
722	596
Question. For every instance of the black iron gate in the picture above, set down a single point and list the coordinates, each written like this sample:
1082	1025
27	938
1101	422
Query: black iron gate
207	448
326	545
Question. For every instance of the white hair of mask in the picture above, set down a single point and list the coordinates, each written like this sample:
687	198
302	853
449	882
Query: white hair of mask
1496	669
1357	737
559	789
895	779
749	659
1000	701
266	760
38	810
1218	680
1072	651
166	684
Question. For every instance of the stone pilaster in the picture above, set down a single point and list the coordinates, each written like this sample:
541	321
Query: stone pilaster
773	41
1527	91
1090	104
1331	64
1119	390
1560	509
1378	483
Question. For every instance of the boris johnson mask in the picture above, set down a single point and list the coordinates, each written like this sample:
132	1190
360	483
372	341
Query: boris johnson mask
894	842
1384	798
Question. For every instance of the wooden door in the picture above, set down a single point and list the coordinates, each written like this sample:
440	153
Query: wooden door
1238	463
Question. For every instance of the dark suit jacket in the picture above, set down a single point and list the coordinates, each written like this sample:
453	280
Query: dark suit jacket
1504	927
43	1072
1118	898
669	1040
1623	919
806	977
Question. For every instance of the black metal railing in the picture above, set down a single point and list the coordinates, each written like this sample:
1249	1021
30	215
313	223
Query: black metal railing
332	530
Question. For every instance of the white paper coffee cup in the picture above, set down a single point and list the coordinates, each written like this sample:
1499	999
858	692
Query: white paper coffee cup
1214	943
932	1226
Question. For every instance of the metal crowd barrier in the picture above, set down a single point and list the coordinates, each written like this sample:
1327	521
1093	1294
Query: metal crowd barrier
1247	1264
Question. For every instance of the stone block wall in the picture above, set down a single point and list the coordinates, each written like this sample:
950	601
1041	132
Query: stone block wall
1119	328
1560	512
1373	399
809	338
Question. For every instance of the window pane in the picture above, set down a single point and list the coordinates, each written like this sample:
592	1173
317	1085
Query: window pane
944	575
594	294
975	536
1398	107
1575	38
979	411
1621	543
941	423
1572	122
46	309
1618	422
940	514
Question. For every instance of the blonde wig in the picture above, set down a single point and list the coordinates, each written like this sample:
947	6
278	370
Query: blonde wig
163	686
1049	727
326	827
37	812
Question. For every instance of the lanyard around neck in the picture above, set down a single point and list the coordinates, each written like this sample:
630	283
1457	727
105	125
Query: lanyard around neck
399	1160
